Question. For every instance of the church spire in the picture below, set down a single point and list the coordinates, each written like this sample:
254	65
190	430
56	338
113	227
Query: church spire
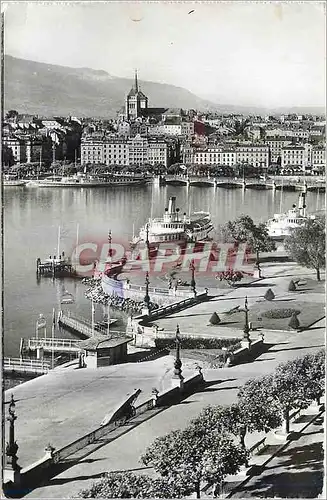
136	83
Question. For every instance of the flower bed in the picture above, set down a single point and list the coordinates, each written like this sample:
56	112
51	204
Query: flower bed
280	313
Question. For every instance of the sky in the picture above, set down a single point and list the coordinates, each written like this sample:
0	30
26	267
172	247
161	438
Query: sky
249	53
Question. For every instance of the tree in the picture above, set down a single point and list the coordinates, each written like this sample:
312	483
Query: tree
240	128
230	276
269	295
259	410
11	114
7	156
306	244
291	286
195	454
294	322
214	320
315	374
244	230
289	387
129	485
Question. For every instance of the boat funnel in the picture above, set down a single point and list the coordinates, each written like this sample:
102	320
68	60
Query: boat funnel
172	205
302	205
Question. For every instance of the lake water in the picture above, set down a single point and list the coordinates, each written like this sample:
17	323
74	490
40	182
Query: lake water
33	215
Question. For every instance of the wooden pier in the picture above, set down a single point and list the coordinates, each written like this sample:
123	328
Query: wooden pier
20	366
81	327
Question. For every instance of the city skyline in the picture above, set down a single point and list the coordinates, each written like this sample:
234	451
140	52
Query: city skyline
247	54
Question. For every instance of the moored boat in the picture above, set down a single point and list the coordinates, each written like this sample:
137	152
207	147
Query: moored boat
84	181
175	228
13	181
282	224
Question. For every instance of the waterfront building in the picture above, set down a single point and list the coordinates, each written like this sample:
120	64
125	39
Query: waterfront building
318	159
276	145
133	151
256	155
296	157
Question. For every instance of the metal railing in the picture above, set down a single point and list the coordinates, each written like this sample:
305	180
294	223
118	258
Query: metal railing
44	342
25	365
158	290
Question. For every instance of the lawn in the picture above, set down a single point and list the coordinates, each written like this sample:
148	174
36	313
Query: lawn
307	314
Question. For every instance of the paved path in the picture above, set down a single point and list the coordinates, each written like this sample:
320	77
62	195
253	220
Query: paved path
296	472
66	404
123	454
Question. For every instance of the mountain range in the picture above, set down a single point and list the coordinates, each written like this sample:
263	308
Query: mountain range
46	90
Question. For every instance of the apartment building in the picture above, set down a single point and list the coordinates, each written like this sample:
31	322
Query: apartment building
276	145
296	157
255	155
134	151
318	159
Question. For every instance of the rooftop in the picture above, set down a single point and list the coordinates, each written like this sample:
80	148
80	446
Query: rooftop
103	341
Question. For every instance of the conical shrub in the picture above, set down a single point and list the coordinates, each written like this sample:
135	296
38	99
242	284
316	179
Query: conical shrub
214	320
291	286
269	295
294	322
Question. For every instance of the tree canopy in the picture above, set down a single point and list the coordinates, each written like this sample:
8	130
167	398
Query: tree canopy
306	244
244	230
130	485
290	386
256	415
195	454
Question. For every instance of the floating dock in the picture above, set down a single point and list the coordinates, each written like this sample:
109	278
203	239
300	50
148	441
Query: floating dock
54	267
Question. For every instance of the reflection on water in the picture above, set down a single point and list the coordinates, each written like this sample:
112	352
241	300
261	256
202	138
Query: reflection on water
33	215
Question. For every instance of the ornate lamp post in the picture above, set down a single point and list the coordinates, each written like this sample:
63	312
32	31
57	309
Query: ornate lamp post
147	297
12	447
192	269
147	238
246	328
109	241
178	363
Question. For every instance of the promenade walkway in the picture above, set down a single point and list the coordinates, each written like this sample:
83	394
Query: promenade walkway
123	454
296	472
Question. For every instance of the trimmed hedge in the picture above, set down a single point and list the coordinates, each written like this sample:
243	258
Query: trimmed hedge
196	343
280	313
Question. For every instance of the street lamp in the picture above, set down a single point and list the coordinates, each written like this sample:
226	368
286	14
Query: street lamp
246	328
178	362
109	241
192	269
147	297
12	447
